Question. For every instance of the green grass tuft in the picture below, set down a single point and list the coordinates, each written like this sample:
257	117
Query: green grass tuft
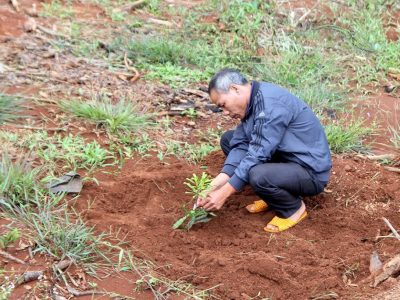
395	138
9	107
120	116
346	137
58	231
17	180
56	9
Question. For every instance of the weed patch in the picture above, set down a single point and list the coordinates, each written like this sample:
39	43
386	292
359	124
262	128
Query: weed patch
175	76
58	153
9	238
395	139
346	137
120	116
193	153
9	107
56	9
17	180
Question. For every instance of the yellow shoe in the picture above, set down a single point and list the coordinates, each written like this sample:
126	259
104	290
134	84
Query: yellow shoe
257	206
283	224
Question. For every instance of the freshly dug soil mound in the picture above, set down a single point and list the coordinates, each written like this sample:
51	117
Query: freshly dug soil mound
327	252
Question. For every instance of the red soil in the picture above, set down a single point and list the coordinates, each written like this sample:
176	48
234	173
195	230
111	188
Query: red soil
232	252
384	112
11	24
145	199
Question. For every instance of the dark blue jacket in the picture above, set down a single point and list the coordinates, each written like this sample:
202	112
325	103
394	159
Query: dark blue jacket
277	123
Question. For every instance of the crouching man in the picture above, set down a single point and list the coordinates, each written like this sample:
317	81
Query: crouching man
279	148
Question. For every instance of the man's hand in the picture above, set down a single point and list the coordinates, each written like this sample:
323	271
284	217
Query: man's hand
216	199
216	183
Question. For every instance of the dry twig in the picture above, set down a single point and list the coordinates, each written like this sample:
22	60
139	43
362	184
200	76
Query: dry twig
196	92
131	68
392	169
29	276
77	293
391	268
51	32
160	22
379	157
15	5
133	5
64	264
39	128
11	257
396	234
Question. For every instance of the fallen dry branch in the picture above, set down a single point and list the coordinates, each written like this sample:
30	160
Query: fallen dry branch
11	257
395	76
160	22
15	4
134	5
392	169
394	231
51	32
380	157
131	68
77	293
196	92
64	264
29	276
39	128
391	268
44	100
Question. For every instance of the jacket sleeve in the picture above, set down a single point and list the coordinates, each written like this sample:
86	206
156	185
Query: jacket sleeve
269	129
239	147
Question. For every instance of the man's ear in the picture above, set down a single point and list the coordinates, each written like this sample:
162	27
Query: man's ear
234	88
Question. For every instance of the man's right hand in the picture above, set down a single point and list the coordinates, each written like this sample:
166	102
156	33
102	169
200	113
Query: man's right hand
216	183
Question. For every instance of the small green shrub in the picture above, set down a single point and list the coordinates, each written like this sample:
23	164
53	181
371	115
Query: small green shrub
197	187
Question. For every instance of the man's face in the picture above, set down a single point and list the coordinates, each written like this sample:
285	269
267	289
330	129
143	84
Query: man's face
233	103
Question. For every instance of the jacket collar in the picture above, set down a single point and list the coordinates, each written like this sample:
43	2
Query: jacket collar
255	85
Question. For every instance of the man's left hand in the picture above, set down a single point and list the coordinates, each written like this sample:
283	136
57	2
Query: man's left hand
216	199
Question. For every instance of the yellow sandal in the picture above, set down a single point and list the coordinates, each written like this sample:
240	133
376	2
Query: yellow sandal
283	224
257	206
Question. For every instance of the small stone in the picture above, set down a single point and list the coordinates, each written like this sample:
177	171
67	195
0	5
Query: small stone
236	242
221	262
30	25
200	244
347	168
201	114
242	235
389	88
226	242
191	124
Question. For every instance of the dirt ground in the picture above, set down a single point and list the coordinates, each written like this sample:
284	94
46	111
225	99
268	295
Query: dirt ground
329	251
325	257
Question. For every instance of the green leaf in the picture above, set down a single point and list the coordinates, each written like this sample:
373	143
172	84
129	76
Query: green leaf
180	222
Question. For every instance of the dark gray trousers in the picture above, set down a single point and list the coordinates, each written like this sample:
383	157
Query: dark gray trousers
279	183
